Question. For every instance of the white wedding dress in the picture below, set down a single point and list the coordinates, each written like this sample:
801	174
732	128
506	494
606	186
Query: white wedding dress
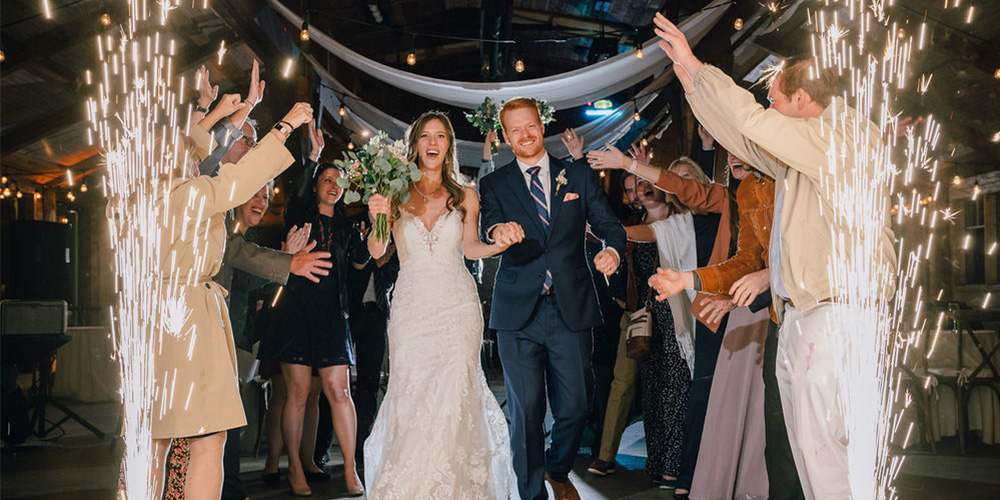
440	433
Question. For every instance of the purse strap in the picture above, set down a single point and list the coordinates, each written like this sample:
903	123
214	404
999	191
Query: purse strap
649	291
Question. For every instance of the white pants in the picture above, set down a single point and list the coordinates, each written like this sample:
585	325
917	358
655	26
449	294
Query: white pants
815	423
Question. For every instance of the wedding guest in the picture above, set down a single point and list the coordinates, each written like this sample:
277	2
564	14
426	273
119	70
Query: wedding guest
791	143
623	384
731	459
664	374
710	204
312	317
206	370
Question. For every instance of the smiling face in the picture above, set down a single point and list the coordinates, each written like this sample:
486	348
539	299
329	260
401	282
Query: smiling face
523	130
433	145
328	193
648	195
250	213
737	167
631	193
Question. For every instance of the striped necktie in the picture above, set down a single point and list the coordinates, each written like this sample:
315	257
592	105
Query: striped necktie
538	194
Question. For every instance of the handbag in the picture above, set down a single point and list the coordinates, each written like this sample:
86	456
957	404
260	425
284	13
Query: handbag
639	332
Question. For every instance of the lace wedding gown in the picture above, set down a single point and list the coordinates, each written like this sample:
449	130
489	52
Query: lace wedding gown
439	433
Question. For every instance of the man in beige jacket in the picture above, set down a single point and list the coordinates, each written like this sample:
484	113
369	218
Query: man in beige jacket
791	142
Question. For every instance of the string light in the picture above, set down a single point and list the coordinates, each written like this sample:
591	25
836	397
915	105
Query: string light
343	111
636	116
957	180
738	23
83	188
350	146
995	75
638	53
277	190
411	58
644	142
650	155
519	65
71	196
2	57
38	195
106	19
304	34
975	191
3	180
365	133
19	195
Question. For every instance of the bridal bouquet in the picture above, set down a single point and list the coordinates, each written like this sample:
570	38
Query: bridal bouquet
379	167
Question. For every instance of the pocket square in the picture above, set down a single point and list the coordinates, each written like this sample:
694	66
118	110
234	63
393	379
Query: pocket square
570	197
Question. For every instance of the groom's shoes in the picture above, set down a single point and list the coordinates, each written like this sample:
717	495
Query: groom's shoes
563	490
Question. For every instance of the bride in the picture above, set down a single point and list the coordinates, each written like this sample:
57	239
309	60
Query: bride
439	433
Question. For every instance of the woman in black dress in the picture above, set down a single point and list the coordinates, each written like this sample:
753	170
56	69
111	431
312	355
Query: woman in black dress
311	324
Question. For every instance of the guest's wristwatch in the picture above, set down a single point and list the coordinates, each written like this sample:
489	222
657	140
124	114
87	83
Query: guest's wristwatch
284	128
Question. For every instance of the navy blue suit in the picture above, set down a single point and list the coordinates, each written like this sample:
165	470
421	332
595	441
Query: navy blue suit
545	342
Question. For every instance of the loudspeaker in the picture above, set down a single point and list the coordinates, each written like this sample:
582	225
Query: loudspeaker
40	266
27	317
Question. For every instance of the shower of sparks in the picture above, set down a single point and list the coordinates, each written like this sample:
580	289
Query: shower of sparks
134	116
288	68
222	51
866	170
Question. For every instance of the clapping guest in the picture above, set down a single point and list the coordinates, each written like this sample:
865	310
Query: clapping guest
312	316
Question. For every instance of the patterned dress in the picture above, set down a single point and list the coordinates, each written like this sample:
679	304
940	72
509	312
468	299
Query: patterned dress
664	376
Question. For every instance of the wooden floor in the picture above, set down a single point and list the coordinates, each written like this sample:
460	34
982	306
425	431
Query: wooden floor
77	465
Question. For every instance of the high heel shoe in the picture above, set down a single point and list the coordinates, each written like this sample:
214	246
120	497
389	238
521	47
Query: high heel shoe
355	491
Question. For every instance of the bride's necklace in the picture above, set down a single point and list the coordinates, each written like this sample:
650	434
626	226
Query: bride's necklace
427	196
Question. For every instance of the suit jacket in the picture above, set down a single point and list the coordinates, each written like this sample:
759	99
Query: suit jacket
505	198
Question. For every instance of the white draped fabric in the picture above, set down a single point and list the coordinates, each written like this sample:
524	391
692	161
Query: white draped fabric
364	116
565	90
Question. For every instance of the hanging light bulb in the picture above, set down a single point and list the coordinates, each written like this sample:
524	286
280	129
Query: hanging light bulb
71	196
601	174
350	146
83	188
636	116
901	33
957	180
277	190
304	34
106	19
3	179
644	142
519	65
995	75
976	190
6	191
738	23
638	53
343	111
19	195
650	155
496	143
38	195
411	58
2	56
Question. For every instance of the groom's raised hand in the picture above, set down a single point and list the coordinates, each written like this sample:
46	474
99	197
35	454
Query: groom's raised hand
606	262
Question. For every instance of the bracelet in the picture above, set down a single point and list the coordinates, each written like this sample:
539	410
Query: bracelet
290	127
633	166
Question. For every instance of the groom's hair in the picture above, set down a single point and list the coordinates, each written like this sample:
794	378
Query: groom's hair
517	103
803	72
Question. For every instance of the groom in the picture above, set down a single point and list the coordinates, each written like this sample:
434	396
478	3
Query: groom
544	302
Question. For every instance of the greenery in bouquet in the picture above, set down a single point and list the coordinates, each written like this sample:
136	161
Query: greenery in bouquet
379	167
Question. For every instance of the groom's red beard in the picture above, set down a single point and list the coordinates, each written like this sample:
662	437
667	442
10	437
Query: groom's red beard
529	151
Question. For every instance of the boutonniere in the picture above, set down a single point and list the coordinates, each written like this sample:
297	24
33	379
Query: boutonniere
561	180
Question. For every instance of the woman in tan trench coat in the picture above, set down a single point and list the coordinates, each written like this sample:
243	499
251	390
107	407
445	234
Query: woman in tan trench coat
195	393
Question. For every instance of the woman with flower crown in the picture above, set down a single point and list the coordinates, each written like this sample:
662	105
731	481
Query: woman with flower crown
440	432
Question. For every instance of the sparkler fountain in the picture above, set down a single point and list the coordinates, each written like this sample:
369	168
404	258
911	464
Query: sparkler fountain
877	303
135	118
